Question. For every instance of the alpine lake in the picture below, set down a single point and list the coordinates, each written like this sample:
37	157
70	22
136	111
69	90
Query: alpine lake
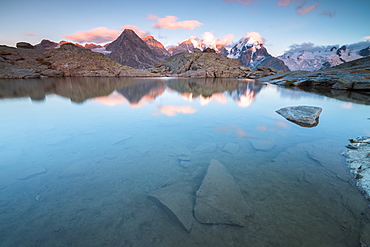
81	158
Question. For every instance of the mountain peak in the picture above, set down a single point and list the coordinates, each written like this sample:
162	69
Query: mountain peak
130	50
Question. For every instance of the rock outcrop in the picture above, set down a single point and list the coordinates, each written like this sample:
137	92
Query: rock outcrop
354	75
130	50
219	199
71	60
46	45
207	64
24	45
305	116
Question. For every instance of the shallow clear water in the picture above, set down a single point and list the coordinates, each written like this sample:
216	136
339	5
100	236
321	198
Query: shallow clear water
79	157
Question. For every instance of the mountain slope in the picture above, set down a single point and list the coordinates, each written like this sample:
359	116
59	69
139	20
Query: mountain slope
251	53
130	50
157	47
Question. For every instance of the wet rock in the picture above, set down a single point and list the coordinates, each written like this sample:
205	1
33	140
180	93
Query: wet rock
177	201
208	147
358	160
32	172
232	148
219	199
306	116
262	145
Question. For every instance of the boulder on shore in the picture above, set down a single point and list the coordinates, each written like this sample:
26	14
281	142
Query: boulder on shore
305	116
219	199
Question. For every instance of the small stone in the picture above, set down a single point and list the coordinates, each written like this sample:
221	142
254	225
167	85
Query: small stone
37	198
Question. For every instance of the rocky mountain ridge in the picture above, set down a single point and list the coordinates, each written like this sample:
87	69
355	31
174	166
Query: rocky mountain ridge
312	59
72	61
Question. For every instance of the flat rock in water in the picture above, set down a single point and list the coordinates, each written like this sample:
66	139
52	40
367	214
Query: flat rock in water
208	147
232	148
219	199
305	116
32	172
177	201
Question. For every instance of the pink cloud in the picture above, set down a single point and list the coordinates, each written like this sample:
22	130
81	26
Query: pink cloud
137	30
30	34
244	2
366	38
283	2
96	35
170	22
302	11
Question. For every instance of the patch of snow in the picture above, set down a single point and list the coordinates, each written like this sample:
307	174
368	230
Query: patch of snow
101	50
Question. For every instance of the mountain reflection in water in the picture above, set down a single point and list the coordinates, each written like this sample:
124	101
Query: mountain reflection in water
111	91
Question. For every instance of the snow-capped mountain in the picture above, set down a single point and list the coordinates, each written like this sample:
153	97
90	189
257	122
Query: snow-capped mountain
313	58
251	52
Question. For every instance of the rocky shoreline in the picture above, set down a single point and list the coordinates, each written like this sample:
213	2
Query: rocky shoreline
24	62
358	161
352	76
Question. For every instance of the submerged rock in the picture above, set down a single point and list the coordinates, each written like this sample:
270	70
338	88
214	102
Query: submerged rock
177	201
358	160
232	148
219	199
306	116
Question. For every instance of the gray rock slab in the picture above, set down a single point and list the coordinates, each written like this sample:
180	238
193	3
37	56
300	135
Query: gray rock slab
177	201
219	199
306	116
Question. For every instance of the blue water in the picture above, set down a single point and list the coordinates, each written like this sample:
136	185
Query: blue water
78	158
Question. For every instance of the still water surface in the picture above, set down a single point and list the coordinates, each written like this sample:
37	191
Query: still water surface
79	157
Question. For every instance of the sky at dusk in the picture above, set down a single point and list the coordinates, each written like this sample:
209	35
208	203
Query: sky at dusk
279	23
